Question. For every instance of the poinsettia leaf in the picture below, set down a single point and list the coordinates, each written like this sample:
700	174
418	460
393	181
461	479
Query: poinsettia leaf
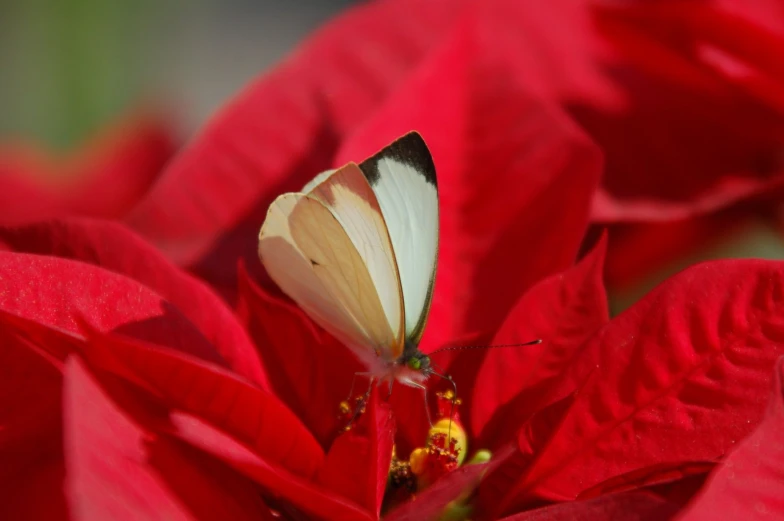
630	506
58	293
111	465
563	310
506	161
677	377
212	200
253	416
113	247
357	464
308	369
299	493
749	483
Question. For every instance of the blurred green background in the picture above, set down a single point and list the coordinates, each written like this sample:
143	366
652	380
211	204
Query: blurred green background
70	66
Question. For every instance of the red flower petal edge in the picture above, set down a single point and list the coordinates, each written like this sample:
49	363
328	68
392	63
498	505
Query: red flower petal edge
629	506
749	483
116	470
563	310
681	374
254	417
302	494
357	464
58	293
104	178
31	434
113	247
312	371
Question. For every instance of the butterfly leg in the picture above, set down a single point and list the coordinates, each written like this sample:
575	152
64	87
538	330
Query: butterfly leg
424	396
354	381
361	402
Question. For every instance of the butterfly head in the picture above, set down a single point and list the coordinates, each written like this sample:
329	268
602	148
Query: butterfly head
416	360
419	362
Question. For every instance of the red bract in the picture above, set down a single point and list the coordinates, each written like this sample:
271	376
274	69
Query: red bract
104	178
749	483
709	89
113	247
675	380
630	506
146	397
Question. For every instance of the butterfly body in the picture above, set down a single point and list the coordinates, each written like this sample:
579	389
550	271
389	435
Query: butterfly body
356	249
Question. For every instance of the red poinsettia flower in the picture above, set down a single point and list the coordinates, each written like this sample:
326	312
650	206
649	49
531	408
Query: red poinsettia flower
130	391
104	178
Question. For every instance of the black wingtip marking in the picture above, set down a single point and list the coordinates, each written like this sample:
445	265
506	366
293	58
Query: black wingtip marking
314	263
410	149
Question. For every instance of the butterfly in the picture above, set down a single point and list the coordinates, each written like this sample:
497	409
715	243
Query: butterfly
356	249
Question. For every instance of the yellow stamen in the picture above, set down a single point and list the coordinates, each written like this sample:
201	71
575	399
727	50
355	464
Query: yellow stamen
454	430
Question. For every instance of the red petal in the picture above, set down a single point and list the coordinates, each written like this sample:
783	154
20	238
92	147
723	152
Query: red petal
21	201
274	138
254	417
564	310
357	464
114	247
531	438
57	293
119	167
296	491
678	55
251	415
312	371
507	163
630	506
749	483
104	178
640	249
737	41
677	377
658	477
116	471
30	433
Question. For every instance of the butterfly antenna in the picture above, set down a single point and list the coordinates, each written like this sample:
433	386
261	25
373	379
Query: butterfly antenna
455	348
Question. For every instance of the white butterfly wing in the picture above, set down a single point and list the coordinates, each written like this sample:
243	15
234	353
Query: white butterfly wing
403	177
329	251
348	195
